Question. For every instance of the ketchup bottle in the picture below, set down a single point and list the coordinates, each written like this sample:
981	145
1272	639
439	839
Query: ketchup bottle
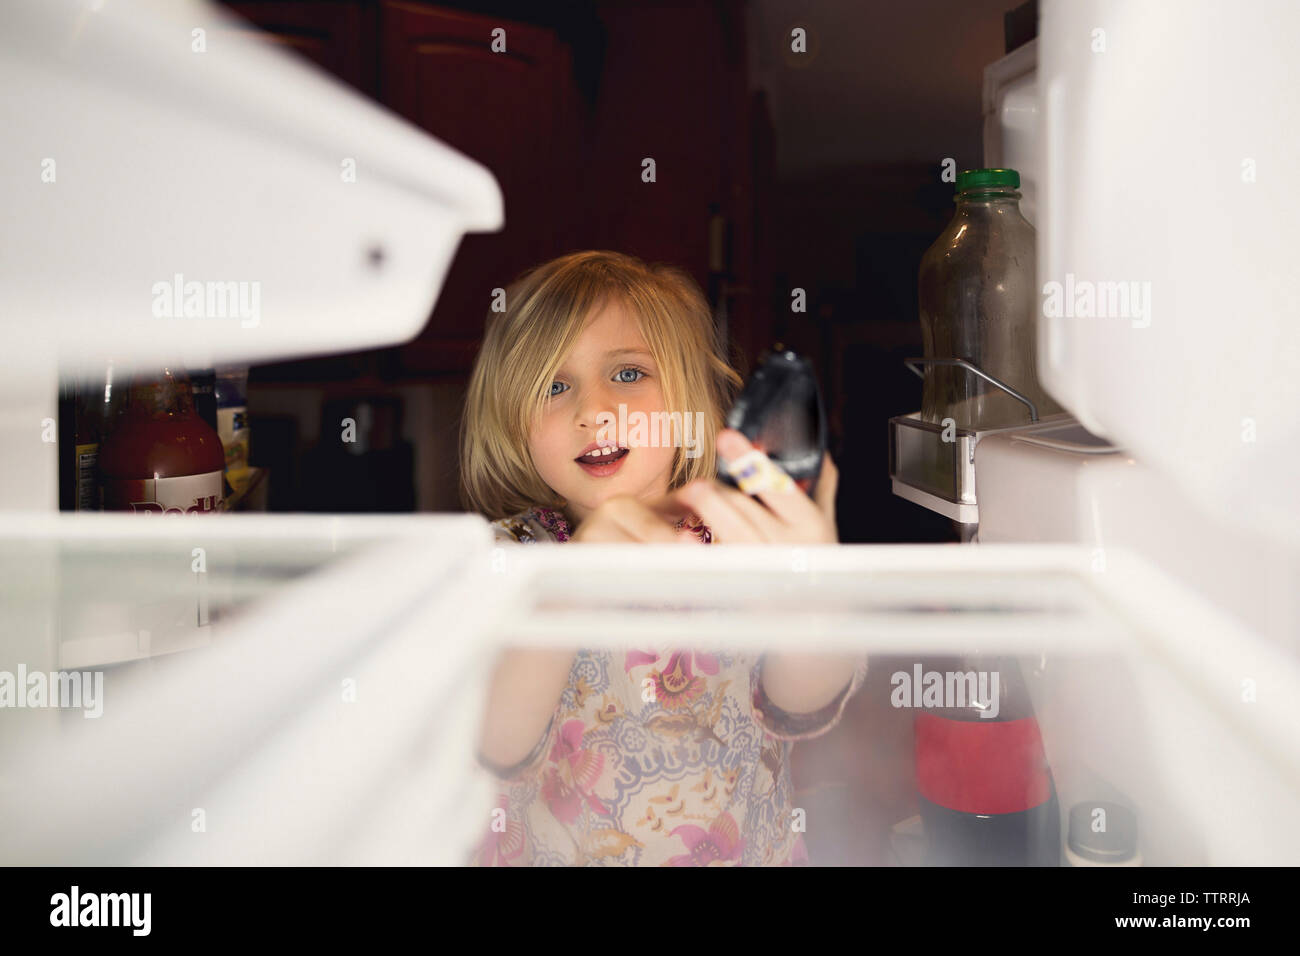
161	457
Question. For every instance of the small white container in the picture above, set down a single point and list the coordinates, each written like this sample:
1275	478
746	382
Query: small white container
1102	834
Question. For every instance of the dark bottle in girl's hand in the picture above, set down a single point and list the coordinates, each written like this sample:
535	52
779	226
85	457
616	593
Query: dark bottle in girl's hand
780	412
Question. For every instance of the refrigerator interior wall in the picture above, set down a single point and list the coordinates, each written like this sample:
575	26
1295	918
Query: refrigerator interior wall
1011	121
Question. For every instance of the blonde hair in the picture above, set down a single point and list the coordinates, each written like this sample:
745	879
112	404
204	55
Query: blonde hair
524	346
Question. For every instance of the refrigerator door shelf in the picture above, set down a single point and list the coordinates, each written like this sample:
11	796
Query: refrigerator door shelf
97	589
934	466
242	204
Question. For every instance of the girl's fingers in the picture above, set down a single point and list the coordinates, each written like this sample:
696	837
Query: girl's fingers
626	519
732	515
671	507
724	516
827	484
601	529
641	522
768	525
785	500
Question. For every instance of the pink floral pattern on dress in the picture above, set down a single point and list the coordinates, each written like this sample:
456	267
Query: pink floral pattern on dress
554	522
568	784
676	686
721	843
550	524
655	756
503	845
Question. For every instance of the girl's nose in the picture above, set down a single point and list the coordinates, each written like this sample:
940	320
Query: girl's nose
594	401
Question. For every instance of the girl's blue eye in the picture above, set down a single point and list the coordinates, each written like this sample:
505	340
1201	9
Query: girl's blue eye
623	381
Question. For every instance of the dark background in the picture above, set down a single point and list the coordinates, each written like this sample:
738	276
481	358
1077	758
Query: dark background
824	167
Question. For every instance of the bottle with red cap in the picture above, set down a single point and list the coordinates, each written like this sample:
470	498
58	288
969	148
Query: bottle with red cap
986	792
161	457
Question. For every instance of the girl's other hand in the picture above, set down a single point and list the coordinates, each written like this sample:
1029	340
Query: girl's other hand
732	516
623	519
736	518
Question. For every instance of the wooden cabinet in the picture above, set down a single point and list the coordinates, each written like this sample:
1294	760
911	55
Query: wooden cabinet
564	118
516	111
338	36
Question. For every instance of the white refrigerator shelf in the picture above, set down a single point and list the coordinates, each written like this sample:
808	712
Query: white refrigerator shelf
330	716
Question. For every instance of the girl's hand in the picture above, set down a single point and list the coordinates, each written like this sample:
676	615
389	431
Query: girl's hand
732	516
624	518
736	518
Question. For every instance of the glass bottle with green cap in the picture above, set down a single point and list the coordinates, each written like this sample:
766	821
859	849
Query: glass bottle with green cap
978	302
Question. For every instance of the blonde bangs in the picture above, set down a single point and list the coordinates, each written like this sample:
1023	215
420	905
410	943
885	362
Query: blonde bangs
524	346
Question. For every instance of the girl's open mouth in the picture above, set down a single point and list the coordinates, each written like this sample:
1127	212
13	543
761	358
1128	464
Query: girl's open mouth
601	465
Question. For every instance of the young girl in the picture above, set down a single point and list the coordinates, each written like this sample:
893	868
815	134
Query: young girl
652	755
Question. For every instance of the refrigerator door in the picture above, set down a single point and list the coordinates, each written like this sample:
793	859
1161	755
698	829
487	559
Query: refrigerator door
1167	326
1166	243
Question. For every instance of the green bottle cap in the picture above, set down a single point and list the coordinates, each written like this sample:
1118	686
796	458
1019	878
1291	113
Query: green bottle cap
988	178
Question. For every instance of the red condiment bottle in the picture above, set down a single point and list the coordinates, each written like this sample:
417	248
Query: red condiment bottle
985	789
161	457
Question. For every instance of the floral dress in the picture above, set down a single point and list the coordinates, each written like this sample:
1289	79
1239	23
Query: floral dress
655	756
